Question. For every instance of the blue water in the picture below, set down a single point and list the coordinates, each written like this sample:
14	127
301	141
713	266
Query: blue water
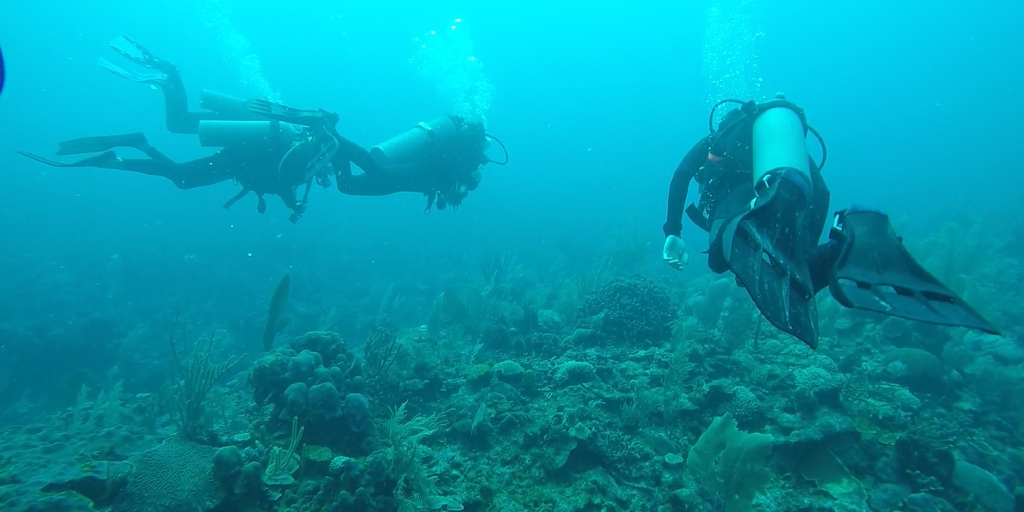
919	103
596	107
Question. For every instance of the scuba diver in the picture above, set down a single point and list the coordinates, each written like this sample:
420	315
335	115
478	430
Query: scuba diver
764	204
440	159
262	155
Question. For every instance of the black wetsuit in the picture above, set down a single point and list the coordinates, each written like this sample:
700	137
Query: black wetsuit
726	189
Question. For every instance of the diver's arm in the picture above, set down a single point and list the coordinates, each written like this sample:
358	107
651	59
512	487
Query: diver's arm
677	191
342	167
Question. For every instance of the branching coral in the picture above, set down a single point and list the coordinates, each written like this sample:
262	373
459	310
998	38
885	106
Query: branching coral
198	374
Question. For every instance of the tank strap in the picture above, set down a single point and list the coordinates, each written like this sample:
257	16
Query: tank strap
697	217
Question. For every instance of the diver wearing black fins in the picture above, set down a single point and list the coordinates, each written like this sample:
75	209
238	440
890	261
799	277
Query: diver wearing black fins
764	204
263	155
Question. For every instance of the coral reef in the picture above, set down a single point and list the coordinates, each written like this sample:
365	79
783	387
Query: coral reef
525	389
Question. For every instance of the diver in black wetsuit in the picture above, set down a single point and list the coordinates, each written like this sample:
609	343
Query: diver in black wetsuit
440	159
764	204
263	155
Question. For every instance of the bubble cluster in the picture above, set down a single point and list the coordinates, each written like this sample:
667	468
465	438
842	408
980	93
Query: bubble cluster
445	58
731	42
235	48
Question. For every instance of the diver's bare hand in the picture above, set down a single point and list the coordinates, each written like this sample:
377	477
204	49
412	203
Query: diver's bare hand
675	253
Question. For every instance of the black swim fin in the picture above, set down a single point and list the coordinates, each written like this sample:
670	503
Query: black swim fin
766	249
284	113
875	272
102	160
140	55
103	143
152	77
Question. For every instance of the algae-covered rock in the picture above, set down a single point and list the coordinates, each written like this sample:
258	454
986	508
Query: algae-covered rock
478	375
509	371
317	458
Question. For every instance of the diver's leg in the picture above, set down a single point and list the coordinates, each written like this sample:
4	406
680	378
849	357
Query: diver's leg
195	173
192	174
817	212
107	142
821	261
200	172
874	271
731	200
179	119
822	258
166	76
716	259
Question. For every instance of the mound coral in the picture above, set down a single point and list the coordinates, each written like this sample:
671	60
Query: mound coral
631	309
